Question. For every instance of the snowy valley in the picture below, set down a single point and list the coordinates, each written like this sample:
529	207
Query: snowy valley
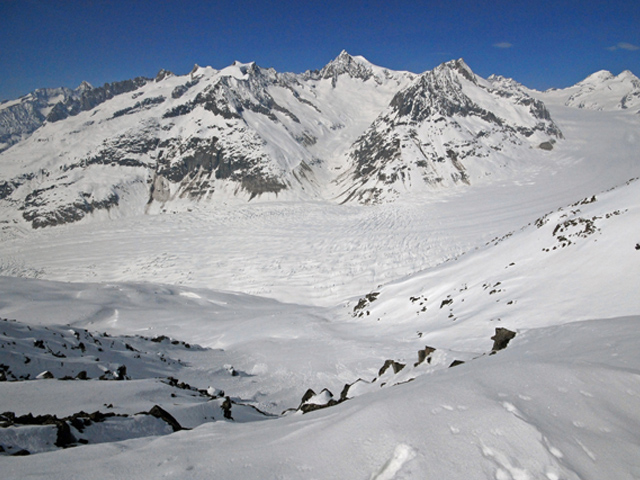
346	273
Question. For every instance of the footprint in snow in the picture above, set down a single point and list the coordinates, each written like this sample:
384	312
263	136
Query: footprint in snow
401	455
506	468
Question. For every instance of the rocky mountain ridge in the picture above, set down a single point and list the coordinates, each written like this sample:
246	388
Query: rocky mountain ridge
350	132
444	129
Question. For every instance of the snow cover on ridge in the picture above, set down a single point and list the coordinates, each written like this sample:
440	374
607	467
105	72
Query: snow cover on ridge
251	133
603	91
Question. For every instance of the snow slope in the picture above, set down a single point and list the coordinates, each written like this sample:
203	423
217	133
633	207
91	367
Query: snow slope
556	404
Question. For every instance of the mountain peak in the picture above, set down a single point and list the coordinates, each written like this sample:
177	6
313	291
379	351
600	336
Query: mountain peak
597	77
604	91
345	58
345	63
344	55
628	75
162	74
245	67
240	70
460	67
83	87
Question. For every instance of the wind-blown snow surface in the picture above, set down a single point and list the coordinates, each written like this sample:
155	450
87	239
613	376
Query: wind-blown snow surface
551	253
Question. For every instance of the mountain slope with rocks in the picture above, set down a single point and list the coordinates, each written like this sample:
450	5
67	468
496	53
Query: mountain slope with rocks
448	127
19	118
349	132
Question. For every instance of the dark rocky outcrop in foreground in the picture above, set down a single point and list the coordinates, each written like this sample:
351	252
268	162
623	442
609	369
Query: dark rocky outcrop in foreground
501	339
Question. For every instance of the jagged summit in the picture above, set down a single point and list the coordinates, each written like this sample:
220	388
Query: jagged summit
345	58
439	90
458	66
345	64
359	68
240	70
162	74
84	86
244	66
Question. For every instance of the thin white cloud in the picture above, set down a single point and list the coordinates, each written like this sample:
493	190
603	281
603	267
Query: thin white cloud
503	45
623	46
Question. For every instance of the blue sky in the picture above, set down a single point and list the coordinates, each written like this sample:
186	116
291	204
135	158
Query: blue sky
542	44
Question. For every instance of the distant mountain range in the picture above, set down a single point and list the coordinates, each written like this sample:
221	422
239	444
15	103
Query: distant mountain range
350	132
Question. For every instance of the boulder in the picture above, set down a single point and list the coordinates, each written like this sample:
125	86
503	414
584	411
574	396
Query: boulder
391	363
424	355
501	339
162	414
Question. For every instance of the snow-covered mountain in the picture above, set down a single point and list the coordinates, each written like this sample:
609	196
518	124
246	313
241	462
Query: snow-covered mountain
19	118
351	131
603	91
243	131
449	126
476	319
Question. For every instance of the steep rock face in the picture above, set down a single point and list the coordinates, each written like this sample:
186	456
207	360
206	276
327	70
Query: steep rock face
345	64
231	151
448	127
19	118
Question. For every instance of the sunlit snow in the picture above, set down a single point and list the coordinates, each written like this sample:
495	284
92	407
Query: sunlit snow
226	313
